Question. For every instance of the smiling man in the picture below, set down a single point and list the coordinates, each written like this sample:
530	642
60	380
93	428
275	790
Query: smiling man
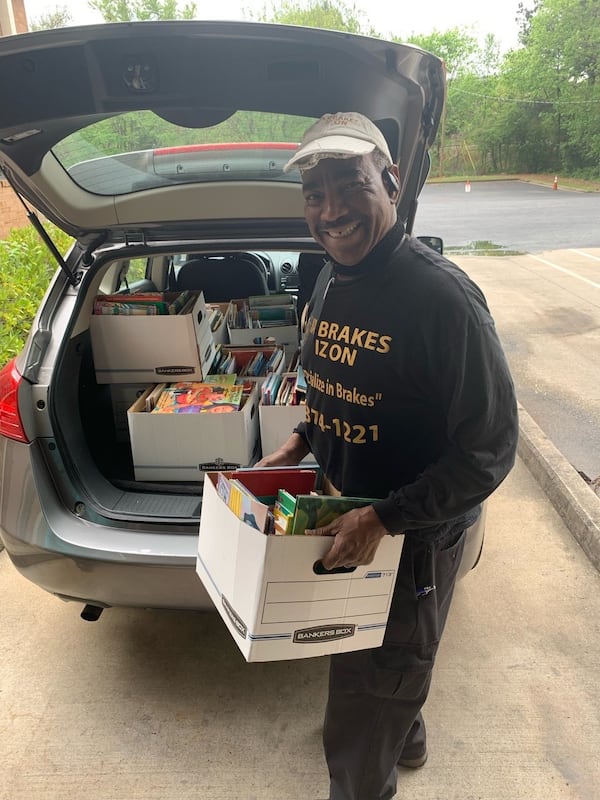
409	400
349	201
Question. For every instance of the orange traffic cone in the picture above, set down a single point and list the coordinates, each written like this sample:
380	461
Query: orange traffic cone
468	186
555	183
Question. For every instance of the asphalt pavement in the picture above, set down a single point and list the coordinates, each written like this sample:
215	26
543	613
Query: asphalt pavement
509	215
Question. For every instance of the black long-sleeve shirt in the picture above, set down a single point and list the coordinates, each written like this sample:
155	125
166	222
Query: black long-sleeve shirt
409	396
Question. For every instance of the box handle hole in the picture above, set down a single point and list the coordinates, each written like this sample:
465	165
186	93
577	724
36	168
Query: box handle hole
319	569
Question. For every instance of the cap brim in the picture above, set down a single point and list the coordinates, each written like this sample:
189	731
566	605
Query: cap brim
334	146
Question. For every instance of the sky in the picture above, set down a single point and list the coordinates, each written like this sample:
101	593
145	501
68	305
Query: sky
400	19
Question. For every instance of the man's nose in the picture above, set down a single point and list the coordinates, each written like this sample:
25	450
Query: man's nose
333	206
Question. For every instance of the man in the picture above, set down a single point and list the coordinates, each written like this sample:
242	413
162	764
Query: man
409	400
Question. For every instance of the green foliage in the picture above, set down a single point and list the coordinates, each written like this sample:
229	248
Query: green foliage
60	17
142	10
26	268
536	108
555	79
459	50
334	15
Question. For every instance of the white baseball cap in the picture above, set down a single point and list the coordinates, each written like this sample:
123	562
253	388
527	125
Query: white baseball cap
345	134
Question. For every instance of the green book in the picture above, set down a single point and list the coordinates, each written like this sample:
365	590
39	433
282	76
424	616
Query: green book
318	510
286	500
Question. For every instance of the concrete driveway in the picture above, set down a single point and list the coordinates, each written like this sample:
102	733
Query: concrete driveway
147	705
547	311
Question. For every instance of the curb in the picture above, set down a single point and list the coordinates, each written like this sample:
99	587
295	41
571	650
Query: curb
573	499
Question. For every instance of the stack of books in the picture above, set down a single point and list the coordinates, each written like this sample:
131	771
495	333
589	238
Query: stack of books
282	501
284	389
255	364
191	397
263	311
146	304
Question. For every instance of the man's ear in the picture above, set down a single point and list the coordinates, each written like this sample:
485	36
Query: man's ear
391	182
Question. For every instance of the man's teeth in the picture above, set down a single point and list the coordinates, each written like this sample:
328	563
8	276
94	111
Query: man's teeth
343	232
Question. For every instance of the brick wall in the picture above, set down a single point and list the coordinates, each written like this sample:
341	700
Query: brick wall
12	213
13	19
20	16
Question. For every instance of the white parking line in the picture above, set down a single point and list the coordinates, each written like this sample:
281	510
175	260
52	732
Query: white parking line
566	271
583	253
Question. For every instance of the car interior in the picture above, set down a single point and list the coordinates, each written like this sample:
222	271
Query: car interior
223	278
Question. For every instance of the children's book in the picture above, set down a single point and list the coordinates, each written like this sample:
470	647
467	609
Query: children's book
243	503
144	303
178	303
283	512
194	398
221	380
317	510
148	303
152	396
265	482
286	501
269	389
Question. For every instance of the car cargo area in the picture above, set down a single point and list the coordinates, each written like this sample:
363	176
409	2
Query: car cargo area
92	401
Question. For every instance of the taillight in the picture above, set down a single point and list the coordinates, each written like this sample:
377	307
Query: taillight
10	420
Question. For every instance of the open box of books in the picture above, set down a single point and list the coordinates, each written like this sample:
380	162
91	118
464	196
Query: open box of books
180	430
218	314
271	590
264	319
144	338
282	406
252	362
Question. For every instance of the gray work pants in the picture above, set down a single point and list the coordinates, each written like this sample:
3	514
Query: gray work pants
373	713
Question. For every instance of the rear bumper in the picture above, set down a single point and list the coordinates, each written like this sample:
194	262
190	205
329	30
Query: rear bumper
79	559
105	584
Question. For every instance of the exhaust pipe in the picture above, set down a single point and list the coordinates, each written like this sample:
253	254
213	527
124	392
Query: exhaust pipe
91	613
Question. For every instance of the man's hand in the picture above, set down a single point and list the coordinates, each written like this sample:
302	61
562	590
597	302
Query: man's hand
289	454
357	536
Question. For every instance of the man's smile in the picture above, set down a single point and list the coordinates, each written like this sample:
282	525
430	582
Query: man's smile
342	233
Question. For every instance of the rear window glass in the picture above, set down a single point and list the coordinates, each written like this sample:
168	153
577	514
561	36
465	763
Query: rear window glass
140	150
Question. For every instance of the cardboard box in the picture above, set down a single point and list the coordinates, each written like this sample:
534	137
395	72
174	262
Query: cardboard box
181	447
137	349
122	396
220	333
286	334
274	604
276	426
277	422
244	355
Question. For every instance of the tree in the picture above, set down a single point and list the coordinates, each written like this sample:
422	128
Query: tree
556	78
523	19
463	59
59	18
143	10
459	50
335	15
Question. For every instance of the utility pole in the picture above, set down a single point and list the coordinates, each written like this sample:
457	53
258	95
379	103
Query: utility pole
442	139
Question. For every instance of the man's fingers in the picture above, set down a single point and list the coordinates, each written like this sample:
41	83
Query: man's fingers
319	532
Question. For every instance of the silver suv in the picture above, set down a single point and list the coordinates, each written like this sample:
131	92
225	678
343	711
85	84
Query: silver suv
167	149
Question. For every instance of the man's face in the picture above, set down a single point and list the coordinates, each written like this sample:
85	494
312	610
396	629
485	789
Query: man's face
347	206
